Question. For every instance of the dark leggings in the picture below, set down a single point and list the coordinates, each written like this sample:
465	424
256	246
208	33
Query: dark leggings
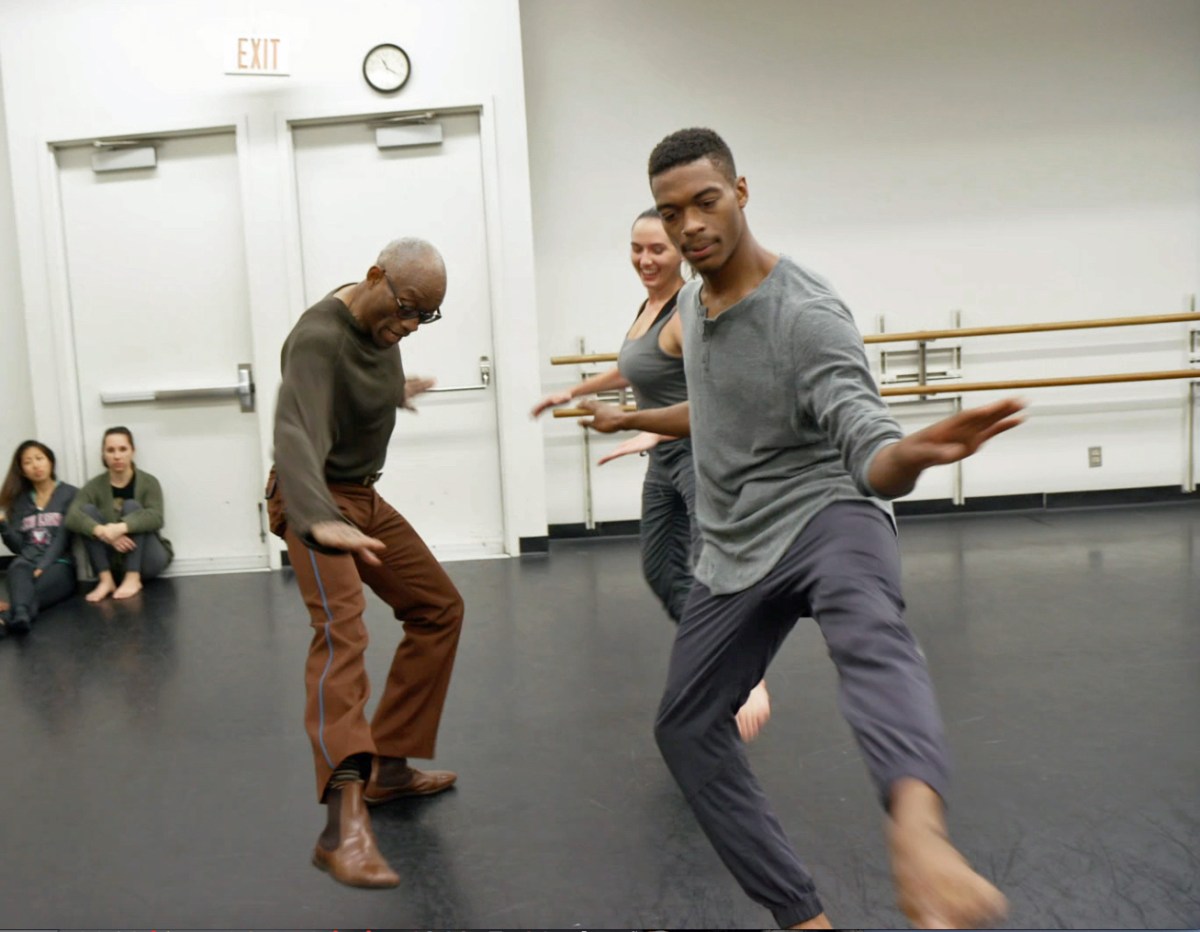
149	557
29	595
670	538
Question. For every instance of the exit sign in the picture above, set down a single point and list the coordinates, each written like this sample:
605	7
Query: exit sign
256	54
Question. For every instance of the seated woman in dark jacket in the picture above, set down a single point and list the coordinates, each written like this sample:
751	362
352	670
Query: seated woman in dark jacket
33	509
119	515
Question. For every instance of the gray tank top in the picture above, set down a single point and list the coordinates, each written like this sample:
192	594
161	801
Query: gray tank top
656	378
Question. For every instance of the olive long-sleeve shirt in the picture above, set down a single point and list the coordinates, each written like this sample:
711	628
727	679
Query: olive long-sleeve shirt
98	492
336	410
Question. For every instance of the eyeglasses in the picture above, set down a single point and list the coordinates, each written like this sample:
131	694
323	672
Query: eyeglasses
412	313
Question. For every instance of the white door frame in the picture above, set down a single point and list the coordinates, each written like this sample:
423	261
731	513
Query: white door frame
60	314
490	167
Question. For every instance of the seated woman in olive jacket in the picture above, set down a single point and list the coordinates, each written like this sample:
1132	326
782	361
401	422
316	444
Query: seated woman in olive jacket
119	515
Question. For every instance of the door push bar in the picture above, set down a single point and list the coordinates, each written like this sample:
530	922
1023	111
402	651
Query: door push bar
243	391
485	379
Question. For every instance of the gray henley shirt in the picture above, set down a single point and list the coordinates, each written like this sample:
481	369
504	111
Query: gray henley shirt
785	419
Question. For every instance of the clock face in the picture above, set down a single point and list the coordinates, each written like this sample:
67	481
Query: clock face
386	68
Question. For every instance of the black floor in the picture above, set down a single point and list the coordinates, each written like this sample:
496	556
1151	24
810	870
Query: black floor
157	775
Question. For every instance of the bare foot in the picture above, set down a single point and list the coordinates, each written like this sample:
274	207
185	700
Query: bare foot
819	921
935	886
103	589
130	586
754	713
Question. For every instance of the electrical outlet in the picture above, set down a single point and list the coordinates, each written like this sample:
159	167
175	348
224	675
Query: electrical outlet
1094	459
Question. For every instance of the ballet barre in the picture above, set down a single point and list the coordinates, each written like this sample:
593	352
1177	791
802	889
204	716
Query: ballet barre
1020	384
926	336
944	386
918	336
1000	386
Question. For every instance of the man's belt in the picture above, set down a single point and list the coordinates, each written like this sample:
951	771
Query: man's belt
367	480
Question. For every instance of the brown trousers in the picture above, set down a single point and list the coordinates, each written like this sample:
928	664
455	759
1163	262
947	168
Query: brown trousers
423	599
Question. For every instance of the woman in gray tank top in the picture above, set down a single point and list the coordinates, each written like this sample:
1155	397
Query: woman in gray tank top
651	363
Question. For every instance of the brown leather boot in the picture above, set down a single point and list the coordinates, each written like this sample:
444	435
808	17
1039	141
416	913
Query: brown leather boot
354	858
392	778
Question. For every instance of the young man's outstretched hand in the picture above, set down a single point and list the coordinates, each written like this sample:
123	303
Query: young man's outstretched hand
896	467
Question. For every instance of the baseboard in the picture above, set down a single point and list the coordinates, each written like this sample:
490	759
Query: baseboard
205	566
197	566
1049	501
945	506
601	529
1151	495
984	504
532	546
449	553
469	550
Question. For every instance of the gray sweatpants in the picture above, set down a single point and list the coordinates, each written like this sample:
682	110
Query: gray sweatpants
670	538
844	571
149	558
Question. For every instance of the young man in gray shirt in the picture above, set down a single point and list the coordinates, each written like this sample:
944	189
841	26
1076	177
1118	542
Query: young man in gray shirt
795	452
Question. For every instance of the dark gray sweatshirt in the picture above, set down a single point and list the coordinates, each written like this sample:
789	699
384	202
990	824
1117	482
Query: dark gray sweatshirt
39	535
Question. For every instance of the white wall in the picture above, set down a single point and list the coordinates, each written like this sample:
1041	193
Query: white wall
1017	161
80	69
16	398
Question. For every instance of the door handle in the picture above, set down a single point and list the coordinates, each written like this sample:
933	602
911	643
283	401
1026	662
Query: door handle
485	379
243	391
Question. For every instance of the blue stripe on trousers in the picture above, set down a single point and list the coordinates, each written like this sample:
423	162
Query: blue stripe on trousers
328	663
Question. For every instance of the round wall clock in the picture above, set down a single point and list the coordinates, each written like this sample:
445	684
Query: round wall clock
386	68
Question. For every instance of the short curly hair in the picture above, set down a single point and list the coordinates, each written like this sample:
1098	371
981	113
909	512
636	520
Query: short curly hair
685	146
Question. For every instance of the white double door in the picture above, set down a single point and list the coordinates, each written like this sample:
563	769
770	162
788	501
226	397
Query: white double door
156	272
443	464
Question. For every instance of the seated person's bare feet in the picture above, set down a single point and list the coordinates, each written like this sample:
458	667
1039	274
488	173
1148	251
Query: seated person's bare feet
130	586
754	713
935	886
103	589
